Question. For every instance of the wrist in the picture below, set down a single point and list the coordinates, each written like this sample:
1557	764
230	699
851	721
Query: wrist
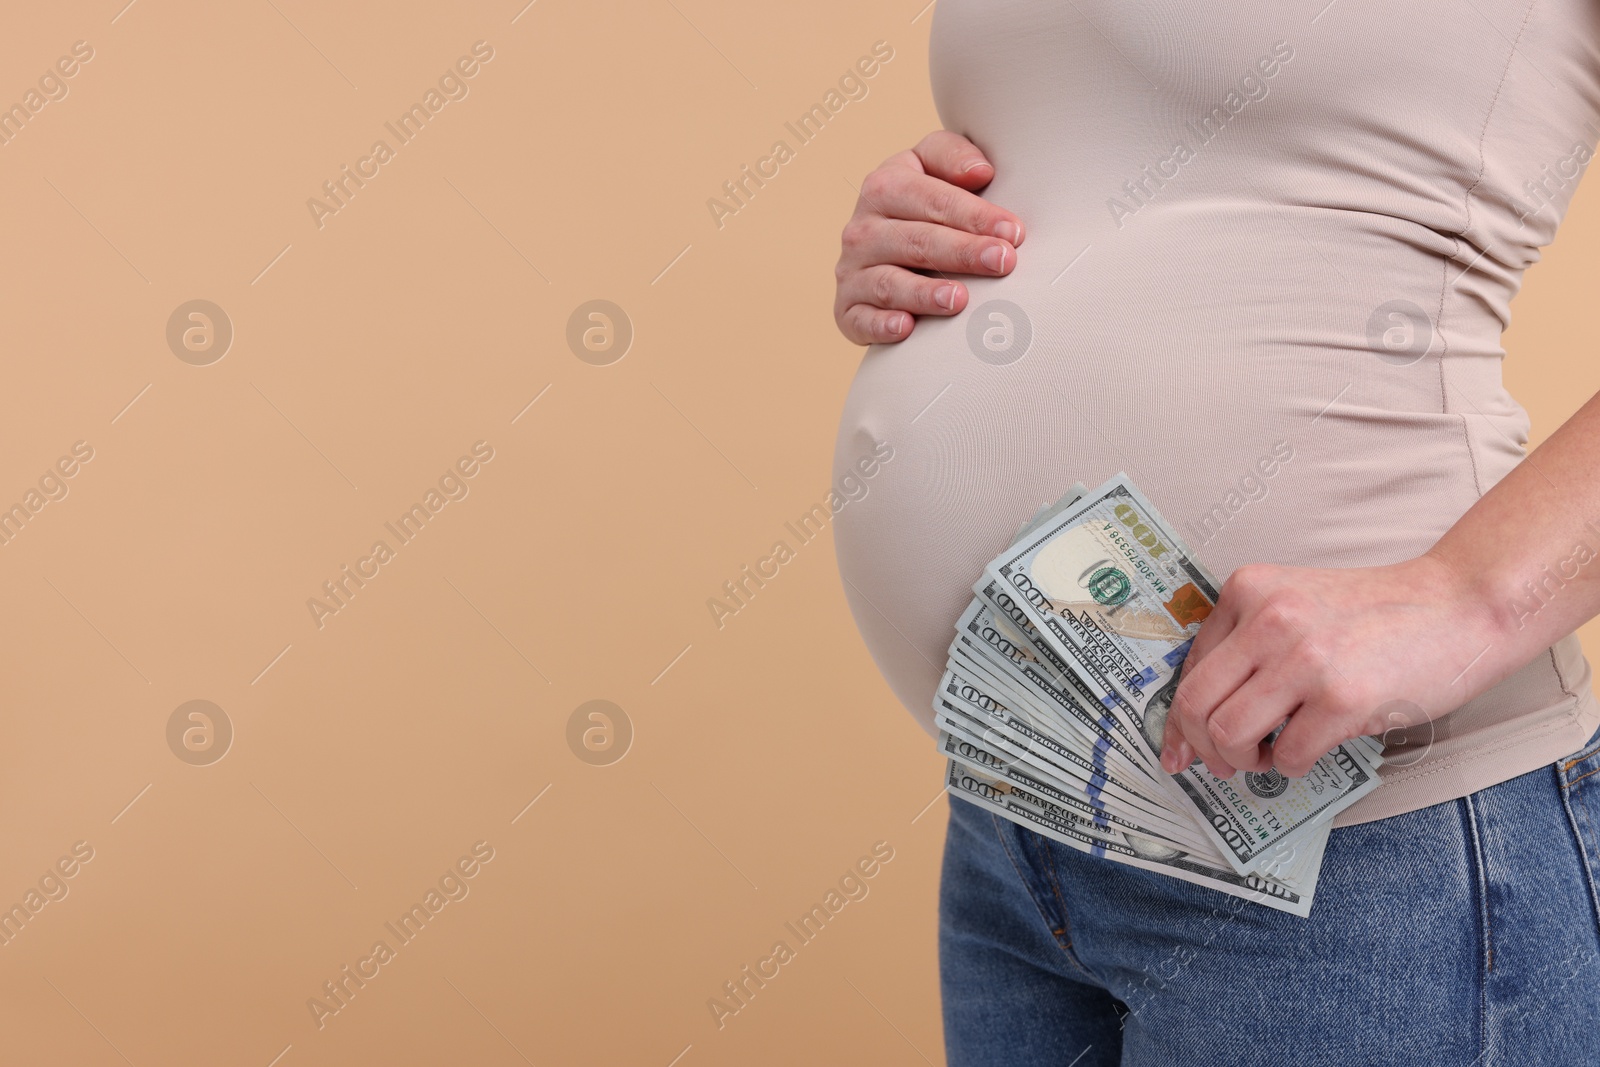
1483	600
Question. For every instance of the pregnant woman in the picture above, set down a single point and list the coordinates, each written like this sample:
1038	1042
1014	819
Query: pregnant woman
1259	256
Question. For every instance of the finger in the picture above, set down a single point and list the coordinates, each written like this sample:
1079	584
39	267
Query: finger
955	159
870	241
1176	753
1224	616
1202	689
1234	639
867	325
1195	728
1312	732
901	193
1192	723
1239	727
895	288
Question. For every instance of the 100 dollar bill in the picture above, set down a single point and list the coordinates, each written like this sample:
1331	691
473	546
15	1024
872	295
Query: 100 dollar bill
1027	808
1116	598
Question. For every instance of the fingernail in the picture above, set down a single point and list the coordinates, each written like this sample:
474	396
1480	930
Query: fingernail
974	165
945	296
1008	231
994	257
1176	756
898	324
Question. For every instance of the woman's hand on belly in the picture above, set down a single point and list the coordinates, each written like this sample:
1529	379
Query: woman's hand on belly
920	210
1335	652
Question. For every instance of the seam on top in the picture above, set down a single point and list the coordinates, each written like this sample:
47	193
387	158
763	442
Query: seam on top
1472	455
1466	207
1444	338
1483	135
1484	753
1561	679
1444	353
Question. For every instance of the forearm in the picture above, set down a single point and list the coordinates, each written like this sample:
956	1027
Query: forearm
1528	553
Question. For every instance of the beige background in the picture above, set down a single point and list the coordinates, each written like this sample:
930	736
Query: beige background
767	757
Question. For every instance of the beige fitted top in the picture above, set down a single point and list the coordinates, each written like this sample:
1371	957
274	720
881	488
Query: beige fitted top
1270	254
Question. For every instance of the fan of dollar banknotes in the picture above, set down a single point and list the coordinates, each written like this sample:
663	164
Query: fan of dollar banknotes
1053	703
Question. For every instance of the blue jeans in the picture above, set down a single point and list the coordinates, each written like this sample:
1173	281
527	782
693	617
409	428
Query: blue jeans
1463	933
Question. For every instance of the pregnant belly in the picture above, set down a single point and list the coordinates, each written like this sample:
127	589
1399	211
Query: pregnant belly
1248	403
